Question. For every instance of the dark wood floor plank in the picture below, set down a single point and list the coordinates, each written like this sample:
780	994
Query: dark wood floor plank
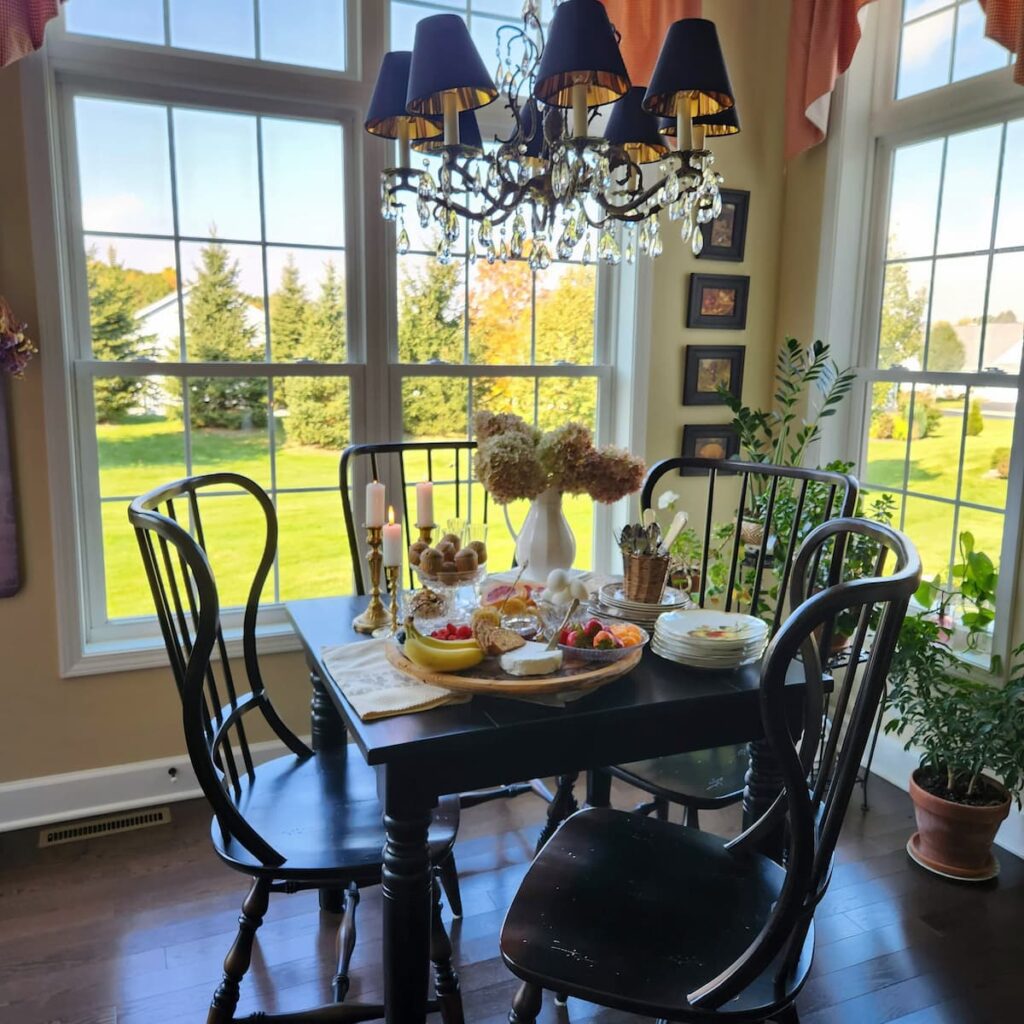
132	929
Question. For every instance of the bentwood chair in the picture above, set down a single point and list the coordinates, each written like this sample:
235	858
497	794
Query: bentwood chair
447	464
301	821
776	507
669	922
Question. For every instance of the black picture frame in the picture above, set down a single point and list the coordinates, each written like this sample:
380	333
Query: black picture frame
697	438
696	370
730	315
725	238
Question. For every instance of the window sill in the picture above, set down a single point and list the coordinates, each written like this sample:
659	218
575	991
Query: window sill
102	658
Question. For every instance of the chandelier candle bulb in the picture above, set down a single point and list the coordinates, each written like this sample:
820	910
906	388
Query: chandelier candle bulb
392	541
451	119
682	122
403	144
579	111
424	504
375	504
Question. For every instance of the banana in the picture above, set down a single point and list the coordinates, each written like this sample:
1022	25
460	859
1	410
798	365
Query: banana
454	657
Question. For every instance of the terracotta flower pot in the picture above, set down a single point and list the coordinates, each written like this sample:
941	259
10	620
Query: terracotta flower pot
956	839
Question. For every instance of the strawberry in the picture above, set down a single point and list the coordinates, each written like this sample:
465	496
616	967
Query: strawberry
604	641
464	633
593	627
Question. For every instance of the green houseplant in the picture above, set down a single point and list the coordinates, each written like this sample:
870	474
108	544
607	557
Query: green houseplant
968	727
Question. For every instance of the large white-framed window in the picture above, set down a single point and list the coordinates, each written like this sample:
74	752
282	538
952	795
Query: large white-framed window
206	206
925	236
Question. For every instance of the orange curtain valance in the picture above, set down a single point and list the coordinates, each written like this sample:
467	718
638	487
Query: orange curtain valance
1004	22
22	23
643	24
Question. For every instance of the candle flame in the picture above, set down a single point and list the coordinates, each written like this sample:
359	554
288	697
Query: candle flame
391	514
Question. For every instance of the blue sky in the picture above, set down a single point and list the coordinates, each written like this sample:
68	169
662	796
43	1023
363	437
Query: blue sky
125	173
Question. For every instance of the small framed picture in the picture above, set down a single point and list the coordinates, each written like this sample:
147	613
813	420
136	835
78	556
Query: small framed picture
709	366
709	441
726	236
718	301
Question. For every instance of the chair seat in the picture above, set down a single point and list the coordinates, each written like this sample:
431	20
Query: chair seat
322	815
707	779
634	913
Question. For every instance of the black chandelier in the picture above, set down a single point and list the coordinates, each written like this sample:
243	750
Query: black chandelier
550	186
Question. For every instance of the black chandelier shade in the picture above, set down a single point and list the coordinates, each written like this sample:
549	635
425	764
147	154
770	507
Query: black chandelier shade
634	129
469	137
725	122
445	61
690	65
387	105
581	49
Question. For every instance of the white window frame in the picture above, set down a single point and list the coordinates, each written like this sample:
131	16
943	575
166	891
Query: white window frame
155	72
867	125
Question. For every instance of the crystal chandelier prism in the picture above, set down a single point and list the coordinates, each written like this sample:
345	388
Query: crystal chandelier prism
549	189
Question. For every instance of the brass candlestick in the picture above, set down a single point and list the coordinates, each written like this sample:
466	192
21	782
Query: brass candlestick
427	532
393	575
376	614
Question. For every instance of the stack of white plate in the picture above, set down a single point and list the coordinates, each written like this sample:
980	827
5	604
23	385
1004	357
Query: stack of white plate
610	602
709	639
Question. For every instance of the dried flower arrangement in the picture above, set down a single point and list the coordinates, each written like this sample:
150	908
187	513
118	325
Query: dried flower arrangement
15	348
515	460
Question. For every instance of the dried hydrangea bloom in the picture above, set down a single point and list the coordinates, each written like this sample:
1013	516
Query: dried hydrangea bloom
563	454
509	469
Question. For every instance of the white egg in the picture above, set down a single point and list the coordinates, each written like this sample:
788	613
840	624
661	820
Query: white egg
578	590
558	579
560	598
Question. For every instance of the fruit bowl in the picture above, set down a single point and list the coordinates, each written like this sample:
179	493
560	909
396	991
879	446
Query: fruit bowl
605	655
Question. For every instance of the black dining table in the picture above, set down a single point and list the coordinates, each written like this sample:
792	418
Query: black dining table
659	708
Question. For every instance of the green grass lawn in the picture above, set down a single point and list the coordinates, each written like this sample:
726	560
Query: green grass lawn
933	466
313	555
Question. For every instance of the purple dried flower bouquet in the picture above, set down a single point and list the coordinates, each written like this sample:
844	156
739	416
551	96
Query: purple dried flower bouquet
15	348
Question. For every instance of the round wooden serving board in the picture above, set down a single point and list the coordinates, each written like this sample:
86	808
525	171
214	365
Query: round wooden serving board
488	677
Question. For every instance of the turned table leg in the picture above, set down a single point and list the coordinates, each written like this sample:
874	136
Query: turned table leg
408	897
327	733
763	785
560	808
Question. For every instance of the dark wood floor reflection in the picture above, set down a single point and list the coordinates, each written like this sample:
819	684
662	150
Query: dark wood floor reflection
132	929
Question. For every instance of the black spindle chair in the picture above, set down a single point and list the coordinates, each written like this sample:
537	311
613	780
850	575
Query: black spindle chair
448	464
669	922
301	821
771	508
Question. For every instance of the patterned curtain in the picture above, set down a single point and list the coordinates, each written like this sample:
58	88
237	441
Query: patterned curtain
1004	22
823	35
22	23
643	24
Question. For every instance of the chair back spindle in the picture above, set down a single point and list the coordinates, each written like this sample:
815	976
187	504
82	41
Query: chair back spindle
214	705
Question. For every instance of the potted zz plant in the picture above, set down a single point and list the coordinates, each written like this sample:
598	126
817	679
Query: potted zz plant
969	729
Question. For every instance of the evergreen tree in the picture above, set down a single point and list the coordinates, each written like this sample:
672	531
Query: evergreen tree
217	330
430	329
289	307
975	419
946	352
318	407
115	334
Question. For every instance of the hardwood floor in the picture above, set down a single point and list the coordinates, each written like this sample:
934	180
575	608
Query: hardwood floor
133	928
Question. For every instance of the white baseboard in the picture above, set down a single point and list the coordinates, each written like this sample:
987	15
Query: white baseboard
29	803
895	765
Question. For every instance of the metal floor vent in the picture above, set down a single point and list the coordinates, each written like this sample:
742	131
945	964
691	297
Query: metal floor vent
130	821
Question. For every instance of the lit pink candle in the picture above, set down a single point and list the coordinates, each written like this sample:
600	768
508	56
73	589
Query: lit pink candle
392	540
425	504
375	504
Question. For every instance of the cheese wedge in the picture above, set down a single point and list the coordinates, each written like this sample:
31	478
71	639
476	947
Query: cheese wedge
533	659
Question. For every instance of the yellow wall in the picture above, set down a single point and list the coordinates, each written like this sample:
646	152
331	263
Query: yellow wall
754	41
54	725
